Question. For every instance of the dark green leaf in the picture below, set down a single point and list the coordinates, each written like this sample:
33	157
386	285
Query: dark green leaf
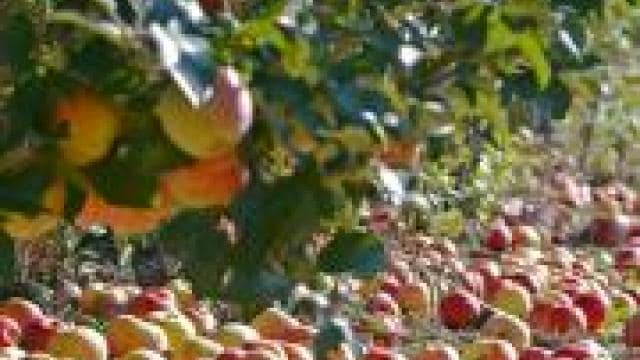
7	260
360	253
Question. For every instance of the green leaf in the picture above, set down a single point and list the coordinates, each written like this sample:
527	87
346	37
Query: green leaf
202	249
22	192
499	35
532	50
7	260
359	253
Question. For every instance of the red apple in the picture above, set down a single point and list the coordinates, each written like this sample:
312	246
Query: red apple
37	334
9	332
152	300
381	353
633	227
535	353
568	319
528	281
499	236
632	331
606	231
21	310
573	351
459	309
486	267
391	285
233	353
473	282
594	305
627	257
383	303
540	318
438	351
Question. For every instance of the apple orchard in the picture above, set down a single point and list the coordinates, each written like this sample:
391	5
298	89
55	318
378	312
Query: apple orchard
319	179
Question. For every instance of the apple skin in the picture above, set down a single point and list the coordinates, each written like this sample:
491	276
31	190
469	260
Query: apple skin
381	353
414	297
233	353
438	351
573	351
459	309
568	319
152	300
383	303
21	310
535	353
391	285
513	299
526	280
508	327
595	306
9	332
539	317
605	231
37	334
473	282
489	349
486	267
632	331
627	257
499	237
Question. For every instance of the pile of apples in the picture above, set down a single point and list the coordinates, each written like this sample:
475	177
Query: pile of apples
146	324
524	294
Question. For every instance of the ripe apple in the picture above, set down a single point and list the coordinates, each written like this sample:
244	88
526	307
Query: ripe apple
383	303
21	310
9	331
297	352
459	309
438	351
535	353
473	281
176	326
489	349
37	334
568	321
627	257
381	353
540	316
195	348
486	267
573	351
273	323
127	333
301	334
595	306
527	280
414	297
632	331
236	334
152	300
605	231
142	354
78	343
233	353
622	307
513	299
203	319
499	236
508	327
